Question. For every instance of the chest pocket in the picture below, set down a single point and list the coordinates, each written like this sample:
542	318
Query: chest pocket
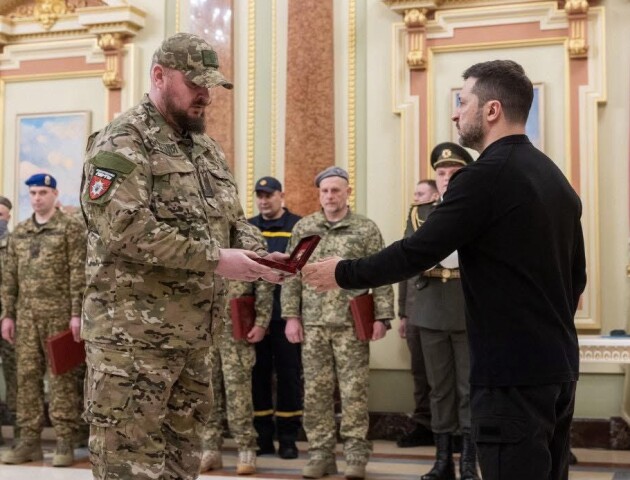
223	198
176	196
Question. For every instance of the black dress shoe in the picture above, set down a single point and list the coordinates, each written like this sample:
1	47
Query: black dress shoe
419	436
288	450
267	449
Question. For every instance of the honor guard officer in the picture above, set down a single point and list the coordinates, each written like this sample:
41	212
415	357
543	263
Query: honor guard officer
437	308
424	195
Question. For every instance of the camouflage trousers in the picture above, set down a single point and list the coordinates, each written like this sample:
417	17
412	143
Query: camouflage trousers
32	330
7	354
328	353
232	363
145	408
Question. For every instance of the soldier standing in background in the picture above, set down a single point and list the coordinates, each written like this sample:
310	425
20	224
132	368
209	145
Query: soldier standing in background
232	362
7	351
439	313
274	352
42	288
324	323
424	195
162	213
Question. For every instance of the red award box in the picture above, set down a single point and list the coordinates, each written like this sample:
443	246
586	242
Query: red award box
299	256
362	309
64	353
243	314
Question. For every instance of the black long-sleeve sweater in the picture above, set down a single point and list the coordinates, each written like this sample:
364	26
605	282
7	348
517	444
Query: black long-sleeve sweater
515	221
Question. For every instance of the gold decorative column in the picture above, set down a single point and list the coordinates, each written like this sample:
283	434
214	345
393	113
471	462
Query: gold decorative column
577	11
112	44
416	21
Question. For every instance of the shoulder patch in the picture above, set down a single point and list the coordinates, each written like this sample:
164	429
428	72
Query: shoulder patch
113	161
100	183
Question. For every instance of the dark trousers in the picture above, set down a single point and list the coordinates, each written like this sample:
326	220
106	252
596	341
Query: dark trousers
522	433
421	388
447	360
275	353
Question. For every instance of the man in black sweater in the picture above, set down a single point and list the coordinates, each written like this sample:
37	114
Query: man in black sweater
515	221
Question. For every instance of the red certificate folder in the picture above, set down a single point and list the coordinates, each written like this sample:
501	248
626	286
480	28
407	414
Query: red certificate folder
64	353
362	309
299	256
243	314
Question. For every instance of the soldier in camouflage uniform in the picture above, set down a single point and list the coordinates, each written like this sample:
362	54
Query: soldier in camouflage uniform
43	279
324	323
7	351
162	209
232	363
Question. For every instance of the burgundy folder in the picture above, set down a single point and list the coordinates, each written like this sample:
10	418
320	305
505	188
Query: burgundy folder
299	256
362	309
64	353
243	314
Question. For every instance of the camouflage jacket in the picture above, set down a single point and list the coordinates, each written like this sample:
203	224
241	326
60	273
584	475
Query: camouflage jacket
44	268
353	237
263	291
159	206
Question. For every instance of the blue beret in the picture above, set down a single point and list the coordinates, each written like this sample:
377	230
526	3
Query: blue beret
331	172
41	180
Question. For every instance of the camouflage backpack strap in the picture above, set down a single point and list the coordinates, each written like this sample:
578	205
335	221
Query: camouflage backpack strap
105	171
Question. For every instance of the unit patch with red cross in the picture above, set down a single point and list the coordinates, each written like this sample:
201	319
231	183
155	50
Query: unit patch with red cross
100	183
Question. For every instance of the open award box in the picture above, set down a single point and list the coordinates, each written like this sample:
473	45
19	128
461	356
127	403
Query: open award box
299	256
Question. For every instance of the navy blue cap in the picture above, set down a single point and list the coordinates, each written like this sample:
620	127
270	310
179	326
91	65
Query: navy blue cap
41	180
268	184
331	172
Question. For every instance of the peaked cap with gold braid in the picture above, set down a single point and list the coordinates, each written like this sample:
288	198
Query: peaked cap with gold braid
450	154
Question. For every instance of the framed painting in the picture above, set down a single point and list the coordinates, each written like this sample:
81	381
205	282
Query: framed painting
52	143
535	126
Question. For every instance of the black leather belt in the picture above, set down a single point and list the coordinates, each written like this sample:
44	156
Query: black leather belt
445	274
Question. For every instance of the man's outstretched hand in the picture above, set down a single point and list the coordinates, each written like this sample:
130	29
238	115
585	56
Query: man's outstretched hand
237	264
321	275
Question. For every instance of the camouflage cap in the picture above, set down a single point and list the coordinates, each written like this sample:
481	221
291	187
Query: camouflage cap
193	56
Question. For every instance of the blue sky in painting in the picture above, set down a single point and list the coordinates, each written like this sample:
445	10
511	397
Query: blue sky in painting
54	144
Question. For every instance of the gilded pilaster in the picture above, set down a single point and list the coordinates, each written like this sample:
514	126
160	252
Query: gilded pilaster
577	11
112	45
415	22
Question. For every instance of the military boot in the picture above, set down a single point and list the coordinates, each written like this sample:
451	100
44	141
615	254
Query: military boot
211	460
355	470
318	467
246	463
468	459
64	453
26	450
444	468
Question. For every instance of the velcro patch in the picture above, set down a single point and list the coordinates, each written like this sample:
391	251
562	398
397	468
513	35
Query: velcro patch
100	183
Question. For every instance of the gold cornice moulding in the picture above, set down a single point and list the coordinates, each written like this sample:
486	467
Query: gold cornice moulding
58	22
47	12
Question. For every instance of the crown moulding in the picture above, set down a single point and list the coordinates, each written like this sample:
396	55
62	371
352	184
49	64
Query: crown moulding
48	19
